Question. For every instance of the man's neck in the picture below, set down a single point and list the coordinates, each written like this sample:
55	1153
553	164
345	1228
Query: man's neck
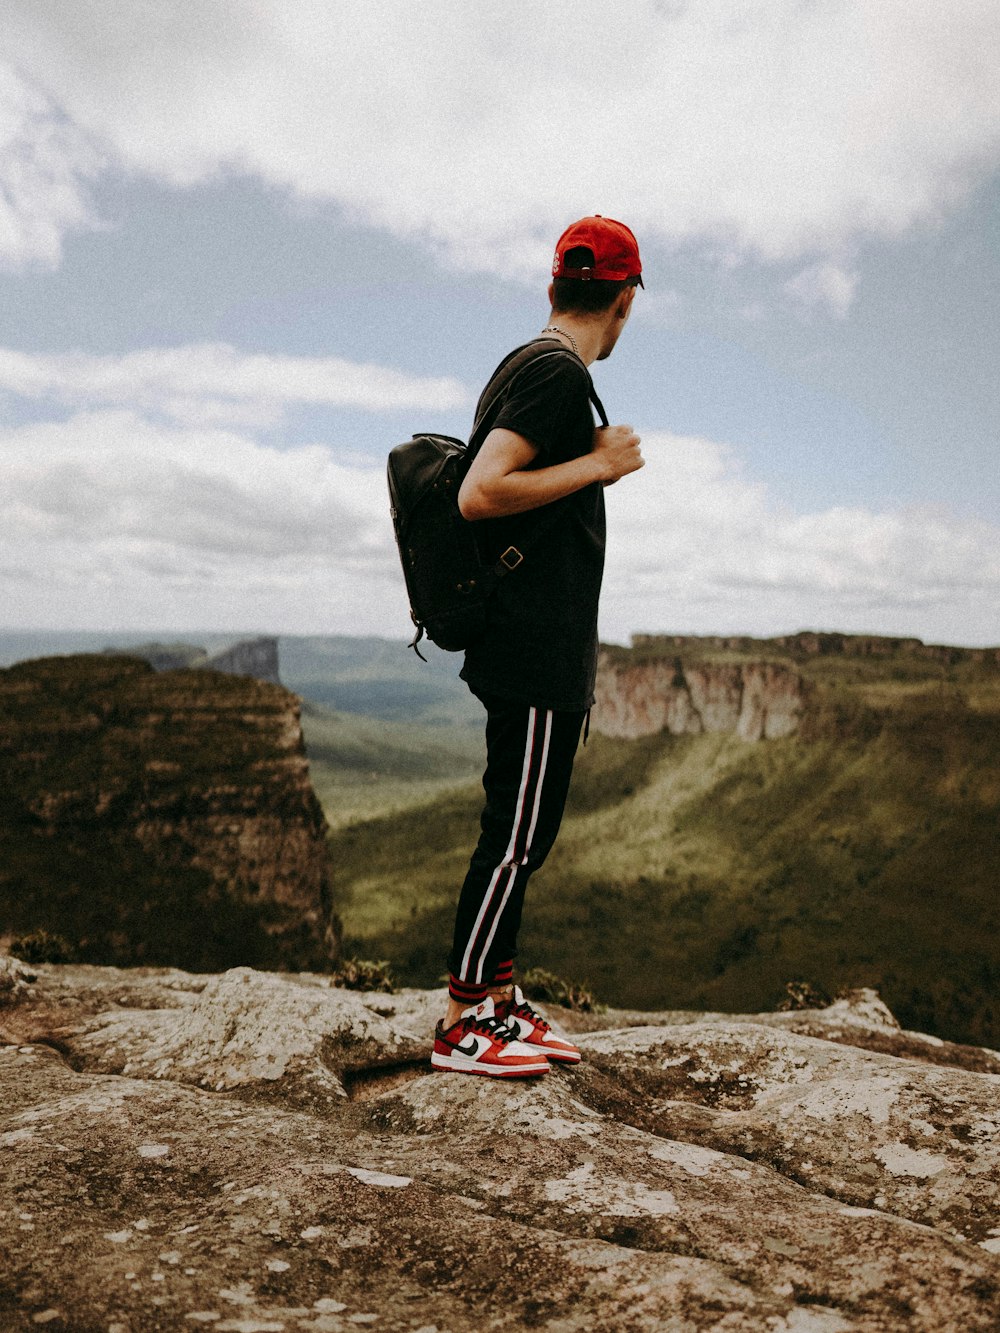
585	337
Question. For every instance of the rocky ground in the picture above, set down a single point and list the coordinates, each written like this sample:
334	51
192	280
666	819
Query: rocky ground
256	1152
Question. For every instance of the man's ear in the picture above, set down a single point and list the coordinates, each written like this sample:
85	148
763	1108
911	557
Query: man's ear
625	303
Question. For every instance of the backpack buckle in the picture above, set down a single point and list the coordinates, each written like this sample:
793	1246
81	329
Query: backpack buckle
512	557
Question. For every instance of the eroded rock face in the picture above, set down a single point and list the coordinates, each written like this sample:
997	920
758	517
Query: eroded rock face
757	701
162	816
261	1152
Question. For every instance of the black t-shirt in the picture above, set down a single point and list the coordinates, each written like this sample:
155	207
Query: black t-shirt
540	643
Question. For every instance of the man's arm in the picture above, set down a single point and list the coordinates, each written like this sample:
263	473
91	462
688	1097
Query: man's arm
499	481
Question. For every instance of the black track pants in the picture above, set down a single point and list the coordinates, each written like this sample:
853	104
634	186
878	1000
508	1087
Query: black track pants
529	759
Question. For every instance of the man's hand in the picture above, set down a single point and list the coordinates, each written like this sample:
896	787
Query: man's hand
616	448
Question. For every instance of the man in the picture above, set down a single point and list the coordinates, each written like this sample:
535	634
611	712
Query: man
542	463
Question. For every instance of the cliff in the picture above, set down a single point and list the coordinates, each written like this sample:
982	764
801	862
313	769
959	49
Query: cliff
811	644
160	817
261	1153
815	684
757	701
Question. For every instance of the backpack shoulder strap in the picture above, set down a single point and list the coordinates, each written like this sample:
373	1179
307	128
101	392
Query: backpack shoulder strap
489	403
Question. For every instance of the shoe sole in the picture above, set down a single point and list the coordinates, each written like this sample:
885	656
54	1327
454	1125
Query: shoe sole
462	1064
564	1058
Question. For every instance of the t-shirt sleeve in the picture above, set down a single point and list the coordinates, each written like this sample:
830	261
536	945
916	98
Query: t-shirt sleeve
545	402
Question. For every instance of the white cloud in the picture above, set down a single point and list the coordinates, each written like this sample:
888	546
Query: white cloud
789	131
110	520
46	165
825	285
212	382
693	545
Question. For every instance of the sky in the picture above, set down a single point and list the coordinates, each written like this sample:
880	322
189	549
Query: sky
246	247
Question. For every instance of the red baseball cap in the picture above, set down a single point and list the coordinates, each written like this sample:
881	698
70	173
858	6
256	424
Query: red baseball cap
615	250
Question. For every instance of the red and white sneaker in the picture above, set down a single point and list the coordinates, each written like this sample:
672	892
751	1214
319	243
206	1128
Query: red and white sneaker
533	1031
480	1044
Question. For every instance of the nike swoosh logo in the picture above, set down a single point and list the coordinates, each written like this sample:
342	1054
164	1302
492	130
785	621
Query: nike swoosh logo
469	1047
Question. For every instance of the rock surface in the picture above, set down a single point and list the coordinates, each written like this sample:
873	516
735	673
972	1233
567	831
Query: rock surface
254	1152
152	816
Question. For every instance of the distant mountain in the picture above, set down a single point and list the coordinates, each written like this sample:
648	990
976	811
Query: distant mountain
247	657
26	645
383	728
378	678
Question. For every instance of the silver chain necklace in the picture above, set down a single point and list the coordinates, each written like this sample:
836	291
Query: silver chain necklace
554	328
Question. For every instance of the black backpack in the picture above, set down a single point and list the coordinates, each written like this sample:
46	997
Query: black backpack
446	580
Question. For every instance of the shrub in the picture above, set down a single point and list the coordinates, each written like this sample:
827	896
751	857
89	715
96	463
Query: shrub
41	946
538	984
804	995
363	974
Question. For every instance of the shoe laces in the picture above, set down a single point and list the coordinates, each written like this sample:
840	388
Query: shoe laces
490	1027
524	1010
